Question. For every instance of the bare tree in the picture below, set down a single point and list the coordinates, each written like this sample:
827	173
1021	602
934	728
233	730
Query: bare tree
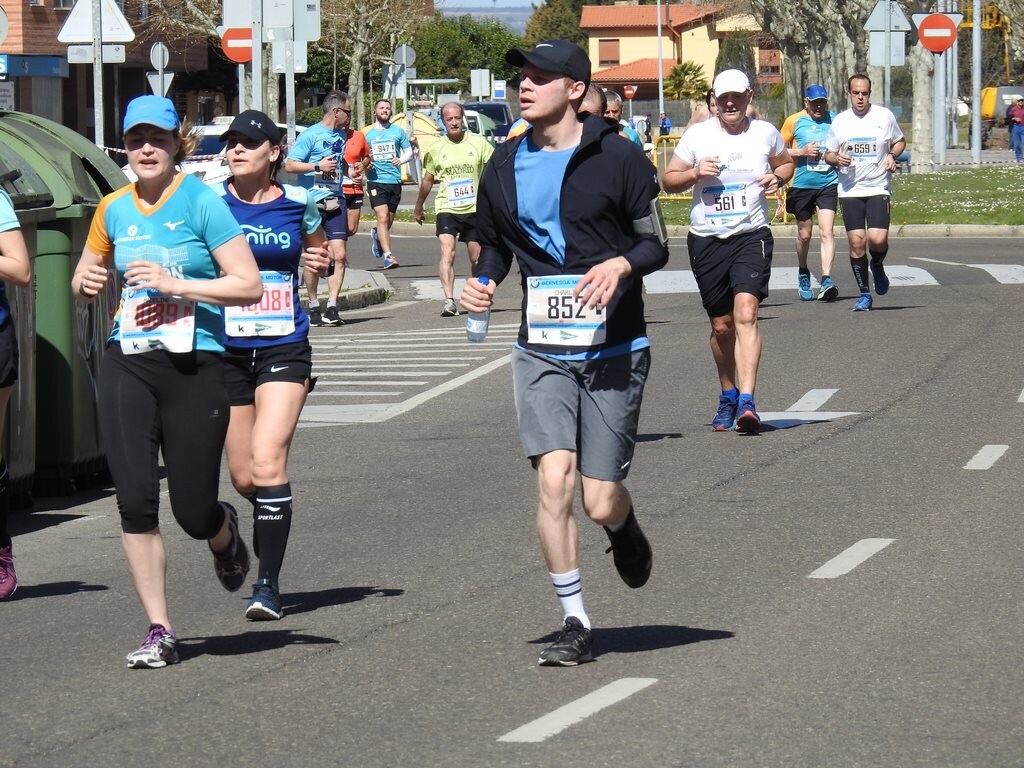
367	34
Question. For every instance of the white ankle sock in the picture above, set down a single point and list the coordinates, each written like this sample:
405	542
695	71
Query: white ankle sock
569	590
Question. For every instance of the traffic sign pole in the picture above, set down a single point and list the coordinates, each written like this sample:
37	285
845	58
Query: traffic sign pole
97	71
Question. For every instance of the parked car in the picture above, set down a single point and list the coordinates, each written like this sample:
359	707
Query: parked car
498	111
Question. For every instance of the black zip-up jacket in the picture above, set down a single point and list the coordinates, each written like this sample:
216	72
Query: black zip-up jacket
608	185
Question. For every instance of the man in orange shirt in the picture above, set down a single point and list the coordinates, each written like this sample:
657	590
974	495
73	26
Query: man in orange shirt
357	159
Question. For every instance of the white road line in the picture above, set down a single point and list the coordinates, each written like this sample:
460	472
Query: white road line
1020	397
987	456
576	711
342	371
813	400
1007	274
422	332
364	393
342	364
405	383
850	558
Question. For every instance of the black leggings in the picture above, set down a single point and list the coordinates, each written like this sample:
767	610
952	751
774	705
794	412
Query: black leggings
174	403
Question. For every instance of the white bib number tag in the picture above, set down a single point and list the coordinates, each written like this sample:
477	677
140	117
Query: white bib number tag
273	315
554	316
152	323
383	150
724	203
864	150
461	192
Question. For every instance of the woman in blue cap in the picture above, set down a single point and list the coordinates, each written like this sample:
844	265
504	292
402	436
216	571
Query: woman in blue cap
178	254
268	359
14	267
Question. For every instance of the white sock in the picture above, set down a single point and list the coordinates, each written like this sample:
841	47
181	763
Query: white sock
331	304
569	589
313	304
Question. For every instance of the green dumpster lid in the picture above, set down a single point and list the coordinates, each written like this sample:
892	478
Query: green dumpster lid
19	180
105	172
60	167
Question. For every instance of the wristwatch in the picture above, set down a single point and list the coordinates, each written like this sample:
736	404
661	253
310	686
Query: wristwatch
316	166
779	180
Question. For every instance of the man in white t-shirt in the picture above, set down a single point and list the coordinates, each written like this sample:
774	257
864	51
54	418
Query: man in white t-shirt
863	145
731	161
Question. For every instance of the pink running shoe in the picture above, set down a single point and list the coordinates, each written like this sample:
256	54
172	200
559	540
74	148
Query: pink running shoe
8	578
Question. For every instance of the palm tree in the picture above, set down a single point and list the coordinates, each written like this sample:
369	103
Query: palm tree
686	81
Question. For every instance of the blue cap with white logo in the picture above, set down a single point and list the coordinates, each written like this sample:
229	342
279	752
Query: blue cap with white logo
815	92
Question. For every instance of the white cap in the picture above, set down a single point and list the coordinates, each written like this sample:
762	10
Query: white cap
731	81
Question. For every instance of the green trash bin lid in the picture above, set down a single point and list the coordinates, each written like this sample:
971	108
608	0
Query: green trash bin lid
106	173
31	196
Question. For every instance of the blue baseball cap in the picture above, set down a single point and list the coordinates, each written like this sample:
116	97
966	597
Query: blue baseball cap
815	92
151	110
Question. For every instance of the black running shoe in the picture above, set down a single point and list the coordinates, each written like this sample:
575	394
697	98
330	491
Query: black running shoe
572	647
631	552
315	317
232	566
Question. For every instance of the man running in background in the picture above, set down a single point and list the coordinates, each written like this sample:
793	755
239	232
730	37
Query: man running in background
457	161
390	150
814	188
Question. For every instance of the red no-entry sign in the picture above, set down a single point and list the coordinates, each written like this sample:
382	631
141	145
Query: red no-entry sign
237	44
629	91
937	32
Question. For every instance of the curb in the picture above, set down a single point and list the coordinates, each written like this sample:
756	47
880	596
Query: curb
368	289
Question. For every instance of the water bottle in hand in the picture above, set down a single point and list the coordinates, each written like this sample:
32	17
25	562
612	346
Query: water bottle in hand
477	322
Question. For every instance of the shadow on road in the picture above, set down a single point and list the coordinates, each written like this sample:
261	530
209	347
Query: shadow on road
651	637
303	602
247	642
56	589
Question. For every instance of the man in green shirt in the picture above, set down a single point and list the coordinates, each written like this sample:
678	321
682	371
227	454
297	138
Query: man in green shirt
457	161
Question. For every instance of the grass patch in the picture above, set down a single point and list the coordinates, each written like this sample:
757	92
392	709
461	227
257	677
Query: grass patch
990	195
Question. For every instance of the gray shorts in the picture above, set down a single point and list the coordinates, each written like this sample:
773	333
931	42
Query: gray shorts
591	407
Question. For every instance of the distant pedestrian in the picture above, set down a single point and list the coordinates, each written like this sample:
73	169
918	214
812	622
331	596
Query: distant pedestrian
267	355
179	255
14	268
665	124
1015	119
582	358
863	145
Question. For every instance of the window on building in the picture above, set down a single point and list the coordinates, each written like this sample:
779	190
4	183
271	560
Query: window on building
607	53
63	5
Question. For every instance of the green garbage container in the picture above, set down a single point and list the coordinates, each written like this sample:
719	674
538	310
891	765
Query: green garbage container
70	336
33	204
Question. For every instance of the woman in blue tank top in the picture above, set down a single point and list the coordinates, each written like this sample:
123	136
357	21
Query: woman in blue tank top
268	359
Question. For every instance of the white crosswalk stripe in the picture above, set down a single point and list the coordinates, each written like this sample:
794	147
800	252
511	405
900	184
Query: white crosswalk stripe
783	278
372	377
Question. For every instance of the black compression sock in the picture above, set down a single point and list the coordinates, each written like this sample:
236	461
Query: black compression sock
878	256
273	524
860	273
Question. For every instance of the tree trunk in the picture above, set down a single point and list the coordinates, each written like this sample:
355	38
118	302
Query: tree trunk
922	67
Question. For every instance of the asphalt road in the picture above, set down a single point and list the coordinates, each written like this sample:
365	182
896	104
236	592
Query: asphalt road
841	590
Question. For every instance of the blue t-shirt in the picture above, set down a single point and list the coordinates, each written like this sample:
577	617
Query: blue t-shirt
180	233
8	221
274	232
385	145
313	144
811	174
539	195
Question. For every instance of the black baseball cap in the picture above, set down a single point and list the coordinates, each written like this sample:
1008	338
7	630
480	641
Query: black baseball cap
557	56
255	125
